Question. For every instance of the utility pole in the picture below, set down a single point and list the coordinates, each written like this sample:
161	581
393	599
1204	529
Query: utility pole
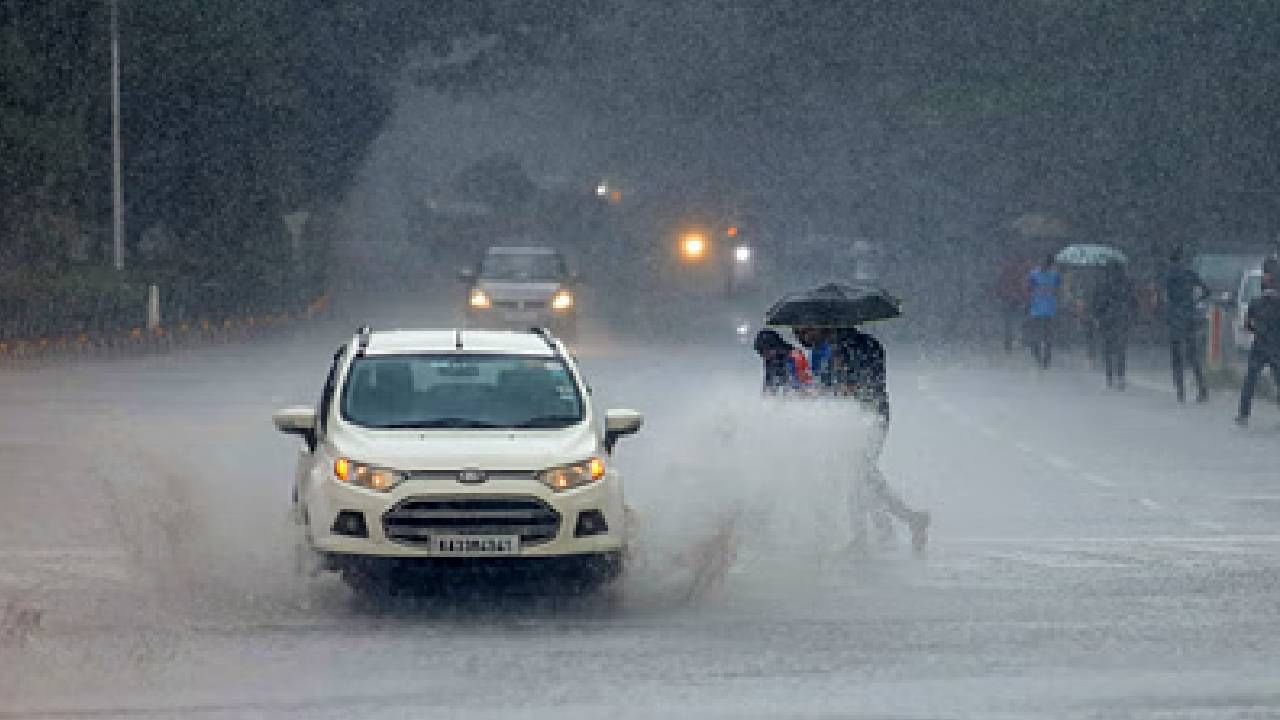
117	173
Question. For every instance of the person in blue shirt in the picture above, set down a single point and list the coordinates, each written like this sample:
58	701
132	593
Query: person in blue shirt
1043	282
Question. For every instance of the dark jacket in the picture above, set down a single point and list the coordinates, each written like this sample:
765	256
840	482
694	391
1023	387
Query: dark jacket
1180	300
1113	302
861	358
1263	319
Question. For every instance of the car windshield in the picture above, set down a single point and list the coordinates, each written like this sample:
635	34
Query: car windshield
461	391
522	266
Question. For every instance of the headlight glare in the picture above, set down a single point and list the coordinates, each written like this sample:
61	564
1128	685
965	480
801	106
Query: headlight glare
568	477
563	300
479	299
366	476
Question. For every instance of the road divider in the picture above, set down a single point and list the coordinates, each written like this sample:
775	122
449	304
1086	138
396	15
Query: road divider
38	351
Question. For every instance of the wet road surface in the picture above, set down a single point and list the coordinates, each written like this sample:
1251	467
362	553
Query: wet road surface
1094	554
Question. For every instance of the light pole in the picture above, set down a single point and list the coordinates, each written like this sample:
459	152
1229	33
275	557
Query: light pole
117	173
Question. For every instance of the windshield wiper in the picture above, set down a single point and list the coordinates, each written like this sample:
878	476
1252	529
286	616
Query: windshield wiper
550	421
445	422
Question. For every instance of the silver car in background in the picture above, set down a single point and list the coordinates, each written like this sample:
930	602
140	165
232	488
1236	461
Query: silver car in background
522	287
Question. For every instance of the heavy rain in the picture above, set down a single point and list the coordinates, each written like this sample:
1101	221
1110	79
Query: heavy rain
649	358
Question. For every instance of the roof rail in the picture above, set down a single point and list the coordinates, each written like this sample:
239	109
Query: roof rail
365	332
546	338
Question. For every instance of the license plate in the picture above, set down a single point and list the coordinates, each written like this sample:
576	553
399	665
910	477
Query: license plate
475	544
521	316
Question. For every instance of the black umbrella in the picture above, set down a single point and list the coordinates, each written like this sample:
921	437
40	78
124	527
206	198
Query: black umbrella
834	305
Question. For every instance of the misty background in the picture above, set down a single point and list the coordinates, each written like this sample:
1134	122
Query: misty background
411	135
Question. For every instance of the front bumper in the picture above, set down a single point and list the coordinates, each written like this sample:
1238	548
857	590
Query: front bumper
496	507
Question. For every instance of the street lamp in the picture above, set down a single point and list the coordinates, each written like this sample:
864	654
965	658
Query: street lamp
693	246
117	172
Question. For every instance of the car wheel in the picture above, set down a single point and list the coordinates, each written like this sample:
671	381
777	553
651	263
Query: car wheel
591	574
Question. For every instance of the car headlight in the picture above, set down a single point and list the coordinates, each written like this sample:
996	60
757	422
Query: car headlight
479	299
368	477
568	477
563	300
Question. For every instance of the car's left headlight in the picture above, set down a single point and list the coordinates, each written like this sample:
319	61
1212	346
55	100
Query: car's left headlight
368	477
562	300
568	477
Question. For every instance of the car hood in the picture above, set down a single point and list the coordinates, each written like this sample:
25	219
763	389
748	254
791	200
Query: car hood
456	449
519	290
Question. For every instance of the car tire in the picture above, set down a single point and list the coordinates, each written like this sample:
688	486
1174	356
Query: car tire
590	574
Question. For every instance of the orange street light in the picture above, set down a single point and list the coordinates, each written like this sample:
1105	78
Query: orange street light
732	231
693	246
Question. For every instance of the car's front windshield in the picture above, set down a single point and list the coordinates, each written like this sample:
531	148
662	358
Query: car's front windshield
522	266
461	391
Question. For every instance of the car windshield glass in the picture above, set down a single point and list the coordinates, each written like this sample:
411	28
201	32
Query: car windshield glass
528	266
461	391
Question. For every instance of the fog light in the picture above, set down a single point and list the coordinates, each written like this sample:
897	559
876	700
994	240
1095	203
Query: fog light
590	522
351	524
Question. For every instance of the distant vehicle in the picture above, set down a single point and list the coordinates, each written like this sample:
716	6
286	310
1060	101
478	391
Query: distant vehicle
434	449
1250	288
1223	271
522	287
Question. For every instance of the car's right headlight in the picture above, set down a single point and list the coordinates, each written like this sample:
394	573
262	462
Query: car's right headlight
568	477
368	477
479	299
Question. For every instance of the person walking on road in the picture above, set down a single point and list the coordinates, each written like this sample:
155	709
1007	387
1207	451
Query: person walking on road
1043	283
1263	320
1183	288
1113	304
1011	298
852	364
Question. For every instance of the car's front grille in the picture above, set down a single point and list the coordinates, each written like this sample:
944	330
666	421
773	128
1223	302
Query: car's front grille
414	520
520	304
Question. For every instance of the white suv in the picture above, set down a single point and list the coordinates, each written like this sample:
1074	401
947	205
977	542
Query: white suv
431	449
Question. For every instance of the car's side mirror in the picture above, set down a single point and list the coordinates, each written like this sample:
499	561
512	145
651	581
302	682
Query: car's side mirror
300	421
619	424
467	275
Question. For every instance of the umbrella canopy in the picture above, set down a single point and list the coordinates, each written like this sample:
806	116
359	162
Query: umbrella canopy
834	305
1089	254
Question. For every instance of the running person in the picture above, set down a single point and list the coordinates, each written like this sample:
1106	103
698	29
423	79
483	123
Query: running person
857	369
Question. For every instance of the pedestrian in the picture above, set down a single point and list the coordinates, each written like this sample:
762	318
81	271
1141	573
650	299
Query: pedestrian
1011	298
855	367
1043	284
1263	320
785	366
1113	304
1183	289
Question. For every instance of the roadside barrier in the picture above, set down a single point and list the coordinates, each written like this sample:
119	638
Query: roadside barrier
34	352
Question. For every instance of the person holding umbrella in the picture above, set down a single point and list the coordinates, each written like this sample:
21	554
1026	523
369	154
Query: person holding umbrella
1112	305
850	363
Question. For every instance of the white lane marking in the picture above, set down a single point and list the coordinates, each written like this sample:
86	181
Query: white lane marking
1209	525
1254	498
1098	481
988	432
1058	462
1149	385
1150	504
1054	560
1266	539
